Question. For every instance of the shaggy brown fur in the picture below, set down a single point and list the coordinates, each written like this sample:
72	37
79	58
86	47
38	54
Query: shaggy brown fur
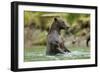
55	43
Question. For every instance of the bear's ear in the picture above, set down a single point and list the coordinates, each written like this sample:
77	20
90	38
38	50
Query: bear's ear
55	19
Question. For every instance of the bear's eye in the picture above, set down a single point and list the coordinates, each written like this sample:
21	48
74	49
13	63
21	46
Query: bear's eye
63	22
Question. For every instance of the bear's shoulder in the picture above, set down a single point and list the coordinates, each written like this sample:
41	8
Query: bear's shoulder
54	36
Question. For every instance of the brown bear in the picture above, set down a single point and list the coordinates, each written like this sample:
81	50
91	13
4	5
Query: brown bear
55	43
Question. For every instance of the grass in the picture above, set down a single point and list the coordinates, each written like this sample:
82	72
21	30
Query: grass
37	53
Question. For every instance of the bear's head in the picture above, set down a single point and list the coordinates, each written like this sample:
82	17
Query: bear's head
60	24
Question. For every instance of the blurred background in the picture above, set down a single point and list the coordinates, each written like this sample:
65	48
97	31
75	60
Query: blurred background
37	25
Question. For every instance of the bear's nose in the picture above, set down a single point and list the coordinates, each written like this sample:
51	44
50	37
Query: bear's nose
67	27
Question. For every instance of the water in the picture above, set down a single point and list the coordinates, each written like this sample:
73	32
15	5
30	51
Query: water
38	54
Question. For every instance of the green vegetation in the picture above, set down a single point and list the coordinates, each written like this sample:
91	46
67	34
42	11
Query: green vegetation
40	23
